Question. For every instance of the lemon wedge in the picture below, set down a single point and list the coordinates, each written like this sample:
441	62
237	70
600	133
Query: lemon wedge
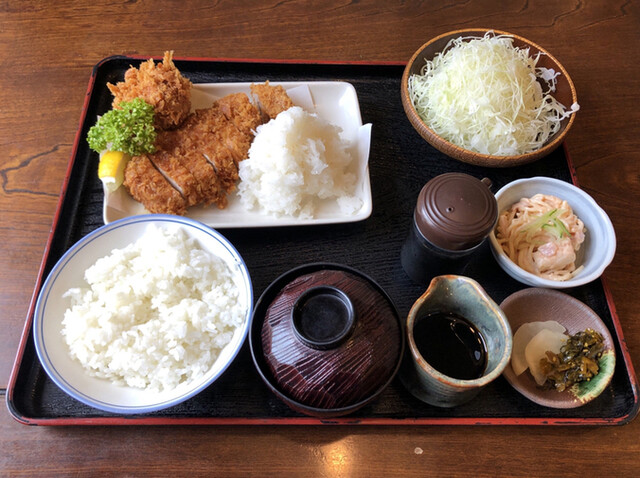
111	169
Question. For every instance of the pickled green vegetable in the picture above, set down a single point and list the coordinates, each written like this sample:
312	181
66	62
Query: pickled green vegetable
576	362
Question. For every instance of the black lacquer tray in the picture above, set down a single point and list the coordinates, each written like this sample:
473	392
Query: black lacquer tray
400	163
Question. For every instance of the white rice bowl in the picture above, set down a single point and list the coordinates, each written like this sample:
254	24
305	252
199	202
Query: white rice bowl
295	161
161	322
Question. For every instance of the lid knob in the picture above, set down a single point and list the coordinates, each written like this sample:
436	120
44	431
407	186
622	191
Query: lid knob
323	317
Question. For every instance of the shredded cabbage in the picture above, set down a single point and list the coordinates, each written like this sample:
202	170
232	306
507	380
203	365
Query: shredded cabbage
483	94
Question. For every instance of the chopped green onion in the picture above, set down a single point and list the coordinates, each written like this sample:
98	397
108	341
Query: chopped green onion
549	222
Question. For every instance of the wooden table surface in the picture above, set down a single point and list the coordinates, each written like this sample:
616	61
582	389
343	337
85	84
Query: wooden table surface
47	50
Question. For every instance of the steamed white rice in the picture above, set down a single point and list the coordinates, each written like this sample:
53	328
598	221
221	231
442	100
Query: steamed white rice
295	161
155	314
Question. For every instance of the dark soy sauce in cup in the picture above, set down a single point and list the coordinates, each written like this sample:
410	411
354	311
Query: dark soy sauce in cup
451	344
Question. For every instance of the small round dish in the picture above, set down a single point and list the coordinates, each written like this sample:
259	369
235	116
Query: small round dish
326	339
565	93
595	254
53	351
532	305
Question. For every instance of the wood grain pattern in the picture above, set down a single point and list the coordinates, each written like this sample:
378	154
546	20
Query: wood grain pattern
47	50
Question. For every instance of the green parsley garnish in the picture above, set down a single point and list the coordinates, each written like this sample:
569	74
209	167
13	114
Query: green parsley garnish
128	128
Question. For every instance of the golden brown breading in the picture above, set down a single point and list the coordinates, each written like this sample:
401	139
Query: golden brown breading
273	99
238	109
197	162
171	167
198	135
147	186
215	123
226	168
169	140
162	86
205	175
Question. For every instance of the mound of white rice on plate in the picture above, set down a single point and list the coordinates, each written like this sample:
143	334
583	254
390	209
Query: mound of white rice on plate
295	160
156	313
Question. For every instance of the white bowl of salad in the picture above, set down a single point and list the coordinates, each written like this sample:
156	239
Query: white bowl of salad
551	234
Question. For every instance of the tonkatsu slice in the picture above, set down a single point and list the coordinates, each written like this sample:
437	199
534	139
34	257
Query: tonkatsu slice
273	100
149	187
178	175
238	109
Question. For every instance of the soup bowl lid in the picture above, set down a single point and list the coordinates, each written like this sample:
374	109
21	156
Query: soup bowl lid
326	339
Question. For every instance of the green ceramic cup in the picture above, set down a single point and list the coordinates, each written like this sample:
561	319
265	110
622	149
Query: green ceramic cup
463	297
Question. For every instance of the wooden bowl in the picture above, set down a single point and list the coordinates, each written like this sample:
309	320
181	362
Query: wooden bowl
565	93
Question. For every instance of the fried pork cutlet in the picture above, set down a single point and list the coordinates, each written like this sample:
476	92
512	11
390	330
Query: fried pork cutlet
169	164
198	161
226	133
189	147
162	86
169	140
198	135
238	109
148	186
211	189
272	99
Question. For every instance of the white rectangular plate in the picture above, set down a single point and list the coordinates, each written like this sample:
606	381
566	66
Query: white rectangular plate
334	101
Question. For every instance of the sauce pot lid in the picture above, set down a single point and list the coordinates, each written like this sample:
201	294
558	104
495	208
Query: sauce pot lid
456	211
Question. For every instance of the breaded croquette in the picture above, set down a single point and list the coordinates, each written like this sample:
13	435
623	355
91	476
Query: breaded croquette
162	86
